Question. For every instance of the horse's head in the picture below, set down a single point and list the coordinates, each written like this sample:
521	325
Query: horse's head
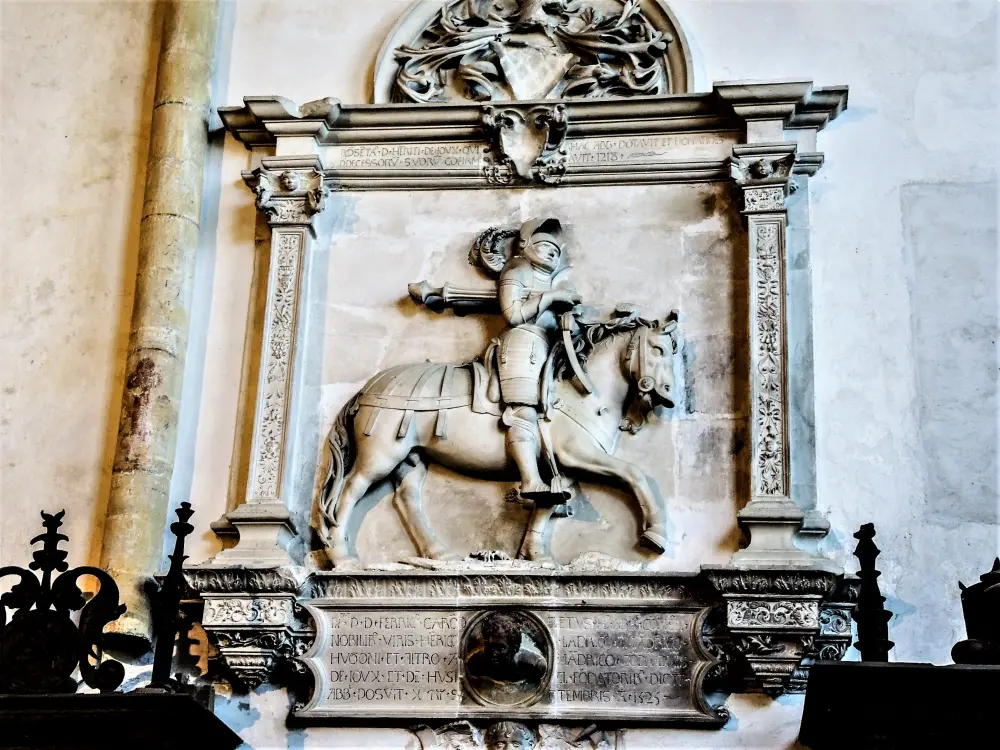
649	365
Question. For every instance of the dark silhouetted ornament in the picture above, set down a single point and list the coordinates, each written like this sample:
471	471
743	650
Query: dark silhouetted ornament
41	646
166	604
870	614
981	607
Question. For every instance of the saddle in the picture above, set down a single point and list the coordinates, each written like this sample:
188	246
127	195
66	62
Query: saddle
427	387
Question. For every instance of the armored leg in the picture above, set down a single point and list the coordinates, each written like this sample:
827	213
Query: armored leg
522	445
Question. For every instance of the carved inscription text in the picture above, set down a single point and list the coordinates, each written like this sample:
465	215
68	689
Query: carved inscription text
408	663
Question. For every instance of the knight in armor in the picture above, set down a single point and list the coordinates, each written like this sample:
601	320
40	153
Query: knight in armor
534	289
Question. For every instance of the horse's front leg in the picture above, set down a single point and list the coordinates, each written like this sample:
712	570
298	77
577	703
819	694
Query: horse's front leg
581	454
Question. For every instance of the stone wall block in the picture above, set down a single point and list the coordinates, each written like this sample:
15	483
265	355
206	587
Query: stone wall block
166	242
174	193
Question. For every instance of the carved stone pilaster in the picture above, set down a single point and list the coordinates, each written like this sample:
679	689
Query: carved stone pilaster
763	174
776	619
291	193
252	618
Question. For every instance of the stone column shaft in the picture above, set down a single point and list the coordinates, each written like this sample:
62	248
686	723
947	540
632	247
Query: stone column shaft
154	370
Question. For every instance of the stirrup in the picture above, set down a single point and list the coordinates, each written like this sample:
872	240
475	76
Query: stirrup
547	496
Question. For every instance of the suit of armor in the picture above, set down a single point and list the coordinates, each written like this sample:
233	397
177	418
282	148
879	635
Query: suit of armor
534	289
534	286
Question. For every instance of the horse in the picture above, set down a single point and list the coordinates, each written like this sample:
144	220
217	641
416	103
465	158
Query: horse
408	417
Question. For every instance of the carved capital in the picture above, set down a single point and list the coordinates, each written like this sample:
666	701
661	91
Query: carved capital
290	192
763	172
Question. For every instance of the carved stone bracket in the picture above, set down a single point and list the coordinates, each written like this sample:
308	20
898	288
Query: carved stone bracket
252	617
779	622
525	144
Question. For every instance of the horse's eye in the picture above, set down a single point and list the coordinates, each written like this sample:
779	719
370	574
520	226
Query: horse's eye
658	351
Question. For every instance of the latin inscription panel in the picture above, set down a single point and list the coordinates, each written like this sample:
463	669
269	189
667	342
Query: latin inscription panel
408	663
392	658
623	659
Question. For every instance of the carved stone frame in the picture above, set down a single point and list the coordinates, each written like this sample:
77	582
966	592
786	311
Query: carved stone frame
774	128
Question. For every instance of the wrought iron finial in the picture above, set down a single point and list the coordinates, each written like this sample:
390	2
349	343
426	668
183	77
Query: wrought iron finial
41	646
871	616
168	603
981	607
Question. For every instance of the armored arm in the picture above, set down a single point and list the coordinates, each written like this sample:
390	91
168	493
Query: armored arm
462	300
517	307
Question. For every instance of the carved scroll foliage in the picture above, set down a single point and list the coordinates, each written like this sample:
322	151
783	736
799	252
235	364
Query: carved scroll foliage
764	199
280	328
769	460
483	50
773	614
343	587
239	581
247	611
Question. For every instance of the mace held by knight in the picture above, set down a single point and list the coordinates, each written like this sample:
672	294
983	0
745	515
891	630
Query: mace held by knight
534	289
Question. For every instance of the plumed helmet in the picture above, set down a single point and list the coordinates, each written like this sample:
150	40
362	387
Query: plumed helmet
549	230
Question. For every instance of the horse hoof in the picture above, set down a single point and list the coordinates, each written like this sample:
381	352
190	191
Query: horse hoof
652	540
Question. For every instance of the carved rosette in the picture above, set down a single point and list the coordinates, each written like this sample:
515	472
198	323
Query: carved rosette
779	621
253	619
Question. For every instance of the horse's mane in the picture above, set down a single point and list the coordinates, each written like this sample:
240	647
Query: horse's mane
589	334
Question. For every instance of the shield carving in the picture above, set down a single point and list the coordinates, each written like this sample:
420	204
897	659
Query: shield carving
521	142
531	71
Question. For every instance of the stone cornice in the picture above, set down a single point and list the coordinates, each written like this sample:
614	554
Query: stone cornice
797	104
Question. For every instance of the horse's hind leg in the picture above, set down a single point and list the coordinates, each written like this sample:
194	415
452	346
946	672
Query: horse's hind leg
408	479
367	470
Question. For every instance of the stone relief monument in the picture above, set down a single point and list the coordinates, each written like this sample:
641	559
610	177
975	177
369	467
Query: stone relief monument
480	650
530	403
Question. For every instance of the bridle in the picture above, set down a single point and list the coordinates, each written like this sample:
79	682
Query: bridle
638	362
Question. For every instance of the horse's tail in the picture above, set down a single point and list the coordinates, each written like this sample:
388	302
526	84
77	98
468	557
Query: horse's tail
340	443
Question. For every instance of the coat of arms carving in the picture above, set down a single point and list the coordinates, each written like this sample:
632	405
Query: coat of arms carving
482	50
